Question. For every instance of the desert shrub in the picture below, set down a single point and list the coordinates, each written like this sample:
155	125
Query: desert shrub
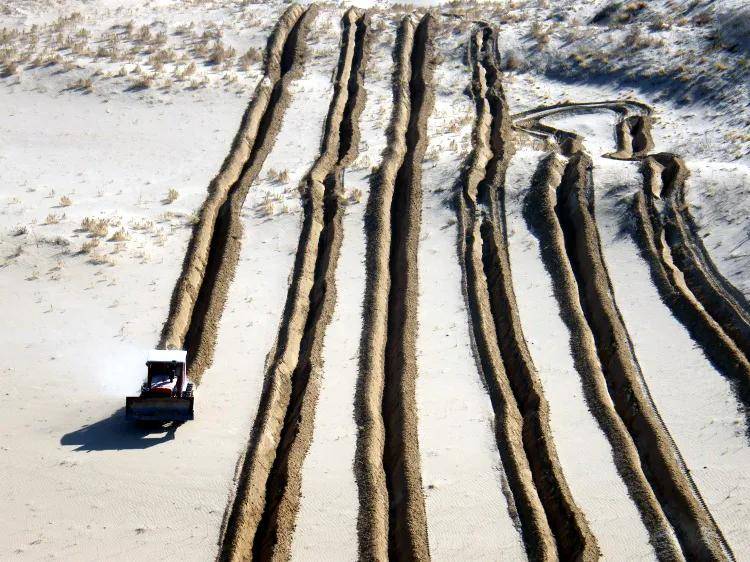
172	196
120	235
250	57
89	245
65	201
220	53
96	227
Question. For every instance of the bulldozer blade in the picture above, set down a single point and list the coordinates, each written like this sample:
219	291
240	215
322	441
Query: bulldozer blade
158	409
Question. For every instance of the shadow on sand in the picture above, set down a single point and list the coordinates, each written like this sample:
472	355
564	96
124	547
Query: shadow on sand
115	433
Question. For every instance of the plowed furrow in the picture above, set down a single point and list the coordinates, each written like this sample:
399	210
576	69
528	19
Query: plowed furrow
261	522
699	536
552	525
539	212
392	513
213	251
710	308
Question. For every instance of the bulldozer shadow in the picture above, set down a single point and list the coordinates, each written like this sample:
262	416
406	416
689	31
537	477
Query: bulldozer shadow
115	433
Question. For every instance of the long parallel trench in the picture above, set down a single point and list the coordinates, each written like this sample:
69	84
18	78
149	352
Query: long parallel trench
392	520
552	525
262	518
213	251
560	211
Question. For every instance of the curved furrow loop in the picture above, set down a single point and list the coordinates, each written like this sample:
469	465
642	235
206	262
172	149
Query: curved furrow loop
392	521
201	290
699	536
552	525
632	133
262	518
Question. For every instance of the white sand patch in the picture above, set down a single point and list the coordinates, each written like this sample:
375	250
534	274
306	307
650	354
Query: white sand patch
583	449
695	401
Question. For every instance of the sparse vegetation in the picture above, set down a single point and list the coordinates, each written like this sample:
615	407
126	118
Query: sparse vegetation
65	201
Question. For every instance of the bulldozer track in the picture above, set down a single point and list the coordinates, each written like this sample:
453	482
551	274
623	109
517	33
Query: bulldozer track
552	525
392	521
213	251
713	311
261	523
697	532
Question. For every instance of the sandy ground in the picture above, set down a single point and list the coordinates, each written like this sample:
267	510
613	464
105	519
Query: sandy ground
79	483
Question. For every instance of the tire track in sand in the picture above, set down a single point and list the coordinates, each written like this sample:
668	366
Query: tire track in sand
711	309
391	521
261	522
211	258
570	213
551	523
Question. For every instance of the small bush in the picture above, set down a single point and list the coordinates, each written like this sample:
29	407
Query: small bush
96	227
172	196
120	236
65	201
89	245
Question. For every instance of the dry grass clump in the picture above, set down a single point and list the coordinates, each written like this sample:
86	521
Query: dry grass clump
120	235
356	195
101	259
52	218
65	201
251	57
172	196
280	176
220	53
19	231
89	245
97	228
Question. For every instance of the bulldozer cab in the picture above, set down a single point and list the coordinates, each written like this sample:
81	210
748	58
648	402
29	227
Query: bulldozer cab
166	395
166	364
